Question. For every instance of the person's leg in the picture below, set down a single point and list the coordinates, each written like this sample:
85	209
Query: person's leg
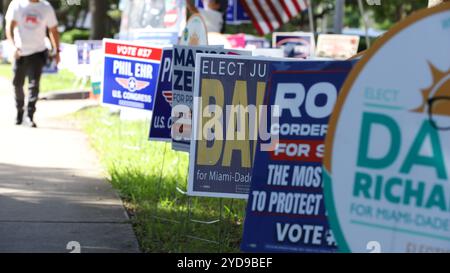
35	65
19	69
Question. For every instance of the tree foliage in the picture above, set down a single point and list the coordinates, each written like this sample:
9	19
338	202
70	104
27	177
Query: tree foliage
389	13
105	25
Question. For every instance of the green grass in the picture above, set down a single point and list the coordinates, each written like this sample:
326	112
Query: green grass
136	174
62	81
6	71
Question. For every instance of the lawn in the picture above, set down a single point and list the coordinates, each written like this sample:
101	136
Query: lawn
163	218
62	81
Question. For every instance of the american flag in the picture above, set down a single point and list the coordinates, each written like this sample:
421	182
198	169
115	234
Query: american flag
269	15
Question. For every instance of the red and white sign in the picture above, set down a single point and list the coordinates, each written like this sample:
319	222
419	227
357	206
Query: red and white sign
120	48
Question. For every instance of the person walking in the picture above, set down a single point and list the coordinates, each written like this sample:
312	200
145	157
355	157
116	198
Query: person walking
27	22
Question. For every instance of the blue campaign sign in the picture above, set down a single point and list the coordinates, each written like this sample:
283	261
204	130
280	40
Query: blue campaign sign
286	210
231	14
161	123
229	90
84	47
241	15
130	74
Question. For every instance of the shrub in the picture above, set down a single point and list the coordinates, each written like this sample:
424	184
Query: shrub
75	34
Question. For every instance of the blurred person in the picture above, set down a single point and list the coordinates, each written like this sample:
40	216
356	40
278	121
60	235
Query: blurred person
27	22
213	13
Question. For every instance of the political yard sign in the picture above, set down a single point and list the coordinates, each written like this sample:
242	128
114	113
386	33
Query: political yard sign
229	91
161	123
130	74
183	71
84	47
295	44
337	46
387	158
286	208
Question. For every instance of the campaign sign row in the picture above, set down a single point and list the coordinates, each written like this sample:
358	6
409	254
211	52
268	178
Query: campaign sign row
211	101
329	157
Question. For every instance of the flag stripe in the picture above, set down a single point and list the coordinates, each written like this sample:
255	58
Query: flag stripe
268	15
256	16
291	8
303	4
252	16
286	10
263	14
280	11
275	11
296	5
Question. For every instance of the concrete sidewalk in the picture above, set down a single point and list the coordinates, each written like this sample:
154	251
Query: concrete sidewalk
52	190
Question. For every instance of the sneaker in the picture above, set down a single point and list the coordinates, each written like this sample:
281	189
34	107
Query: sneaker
30	122
19	118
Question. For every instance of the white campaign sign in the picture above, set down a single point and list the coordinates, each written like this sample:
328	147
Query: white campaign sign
337	46
195	33
387	161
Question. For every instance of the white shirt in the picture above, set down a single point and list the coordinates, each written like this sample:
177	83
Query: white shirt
32	19
213	19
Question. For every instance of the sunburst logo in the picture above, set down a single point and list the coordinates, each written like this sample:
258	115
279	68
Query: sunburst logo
439	89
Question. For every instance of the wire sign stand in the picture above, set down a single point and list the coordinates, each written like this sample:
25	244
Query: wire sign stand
190	220
187	220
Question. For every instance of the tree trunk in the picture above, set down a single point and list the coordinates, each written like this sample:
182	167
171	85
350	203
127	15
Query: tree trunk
5	4
98	9
4	8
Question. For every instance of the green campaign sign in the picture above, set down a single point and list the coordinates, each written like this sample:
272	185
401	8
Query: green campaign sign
387	160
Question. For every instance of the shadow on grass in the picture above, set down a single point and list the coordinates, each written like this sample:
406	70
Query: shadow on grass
163	218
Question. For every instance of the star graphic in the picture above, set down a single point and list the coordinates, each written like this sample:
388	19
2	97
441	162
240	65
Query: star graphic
132	84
